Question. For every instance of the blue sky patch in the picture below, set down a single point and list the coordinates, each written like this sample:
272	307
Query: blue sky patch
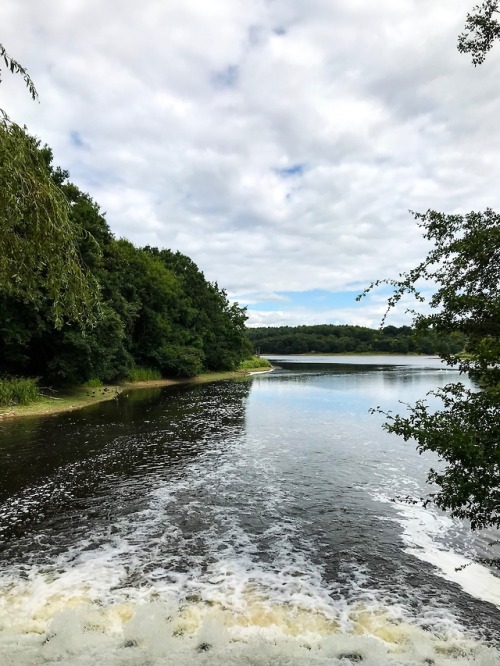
76	139
291	171
315	299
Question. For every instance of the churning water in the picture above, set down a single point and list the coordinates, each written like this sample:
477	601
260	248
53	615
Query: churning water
243	522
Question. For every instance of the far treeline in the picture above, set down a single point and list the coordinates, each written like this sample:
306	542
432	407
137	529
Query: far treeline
153	308
331	339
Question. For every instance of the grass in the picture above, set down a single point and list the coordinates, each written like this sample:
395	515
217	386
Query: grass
143	374
254	363
93	383
17	391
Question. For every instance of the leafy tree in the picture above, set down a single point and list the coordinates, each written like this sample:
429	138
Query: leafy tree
333	339
214	325
465	265
39	259
481	31
71	354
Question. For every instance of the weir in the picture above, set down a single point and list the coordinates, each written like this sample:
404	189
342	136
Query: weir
242	522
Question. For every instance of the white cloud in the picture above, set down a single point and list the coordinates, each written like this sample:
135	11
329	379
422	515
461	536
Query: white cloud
188	111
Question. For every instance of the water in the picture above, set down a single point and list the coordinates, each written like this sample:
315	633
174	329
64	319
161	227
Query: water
240	522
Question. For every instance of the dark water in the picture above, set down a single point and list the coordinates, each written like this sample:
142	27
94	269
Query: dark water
239	522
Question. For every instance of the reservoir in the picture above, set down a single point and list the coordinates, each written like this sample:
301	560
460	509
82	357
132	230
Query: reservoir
255	521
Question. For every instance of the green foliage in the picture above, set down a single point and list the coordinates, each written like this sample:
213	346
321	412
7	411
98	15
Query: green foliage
331	339
481	31
254	362
179	360
15	68
77	305
212	324
93	383
464	264
142	374
39	259
18	391
466	435
156	309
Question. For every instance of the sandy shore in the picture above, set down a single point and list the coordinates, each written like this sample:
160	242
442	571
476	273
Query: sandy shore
55	402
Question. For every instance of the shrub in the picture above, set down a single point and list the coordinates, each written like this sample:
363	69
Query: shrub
254	362
93	383
143	374
18	391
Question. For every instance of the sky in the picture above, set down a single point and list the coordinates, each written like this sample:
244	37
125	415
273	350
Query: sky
279	143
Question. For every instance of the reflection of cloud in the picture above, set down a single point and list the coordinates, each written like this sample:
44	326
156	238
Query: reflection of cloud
280	145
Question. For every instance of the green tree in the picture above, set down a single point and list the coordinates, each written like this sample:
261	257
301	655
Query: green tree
212	323
464	264
71	354
39	258
481	31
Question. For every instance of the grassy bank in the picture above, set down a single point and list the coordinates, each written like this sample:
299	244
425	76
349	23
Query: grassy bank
55	402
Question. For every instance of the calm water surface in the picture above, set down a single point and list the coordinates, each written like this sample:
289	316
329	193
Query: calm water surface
254	521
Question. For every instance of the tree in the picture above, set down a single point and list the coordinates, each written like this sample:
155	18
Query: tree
214	325
39	258
465	432
15	68
481	31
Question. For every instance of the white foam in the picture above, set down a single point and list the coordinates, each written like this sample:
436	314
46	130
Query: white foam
187	580
58	622
420	529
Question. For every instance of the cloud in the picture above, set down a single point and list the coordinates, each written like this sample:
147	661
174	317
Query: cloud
279	144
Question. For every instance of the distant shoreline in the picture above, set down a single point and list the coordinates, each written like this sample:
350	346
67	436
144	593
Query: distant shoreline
264	354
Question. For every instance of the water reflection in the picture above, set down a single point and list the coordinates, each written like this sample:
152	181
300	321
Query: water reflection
58	472
244	521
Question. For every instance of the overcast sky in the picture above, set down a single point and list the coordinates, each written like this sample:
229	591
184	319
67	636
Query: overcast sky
278	143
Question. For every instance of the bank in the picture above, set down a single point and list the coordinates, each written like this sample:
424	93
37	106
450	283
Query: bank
53	402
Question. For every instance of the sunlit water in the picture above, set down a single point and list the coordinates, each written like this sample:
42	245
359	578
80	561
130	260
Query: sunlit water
249	522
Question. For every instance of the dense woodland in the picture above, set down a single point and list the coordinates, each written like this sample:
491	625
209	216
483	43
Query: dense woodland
330	339
153	308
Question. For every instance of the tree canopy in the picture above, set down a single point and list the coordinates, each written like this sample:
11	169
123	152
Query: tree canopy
464	264
152	307
76	303
333	339
39	258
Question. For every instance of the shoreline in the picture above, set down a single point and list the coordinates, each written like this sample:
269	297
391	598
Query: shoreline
81	397
265	354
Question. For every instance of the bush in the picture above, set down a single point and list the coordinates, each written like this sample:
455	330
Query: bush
16	391
143	374
93	383
180	361
254	362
